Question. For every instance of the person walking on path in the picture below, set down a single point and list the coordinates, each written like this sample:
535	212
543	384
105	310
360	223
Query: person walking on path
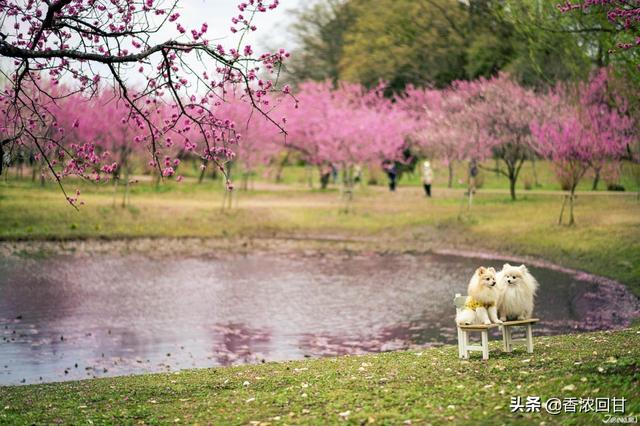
427	177
392	173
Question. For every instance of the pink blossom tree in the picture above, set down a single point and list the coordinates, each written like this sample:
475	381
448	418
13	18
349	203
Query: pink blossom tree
259	141
346	126
577	132
104	122
598	94
449	124
504	110
97	44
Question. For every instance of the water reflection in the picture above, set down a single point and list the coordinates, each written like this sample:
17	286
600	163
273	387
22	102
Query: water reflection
68	318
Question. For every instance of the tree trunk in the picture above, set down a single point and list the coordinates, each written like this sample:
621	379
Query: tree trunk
512	187
126	186
347	187
281	168
245	181
227	199
42	180
564	202
596	180
571	199
115	188
309	172
535	173
450	183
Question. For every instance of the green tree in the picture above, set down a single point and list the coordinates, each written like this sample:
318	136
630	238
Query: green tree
319	31
552	46
405	42
490	44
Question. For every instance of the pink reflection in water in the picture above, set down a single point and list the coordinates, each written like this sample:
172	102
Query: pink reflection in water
66	317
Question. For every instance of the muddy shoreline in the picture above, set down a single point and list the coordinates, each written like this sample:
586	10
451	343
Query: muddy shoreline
294	245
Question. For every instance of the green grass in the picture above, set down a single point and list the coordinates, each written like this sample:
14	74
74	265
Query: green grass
546	179
426	386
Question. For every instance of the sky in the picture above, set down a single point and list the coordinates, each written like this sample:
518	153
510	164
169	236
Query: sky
271	32
272	25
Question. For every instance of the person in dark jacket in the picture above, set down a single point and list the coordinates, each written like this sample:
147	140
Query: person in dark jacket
392	172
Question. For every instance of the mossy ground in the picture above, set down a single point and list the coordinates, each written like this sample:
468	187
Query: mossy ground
430	386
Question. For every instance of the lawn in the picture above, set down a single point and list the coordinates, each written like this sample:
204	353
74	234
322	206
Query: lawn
415	387
426	386
538	176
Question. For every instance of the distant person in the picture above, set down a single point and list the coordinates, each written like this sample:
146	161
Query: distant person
473	174
325	175
334	173
392	173
427	177
357	173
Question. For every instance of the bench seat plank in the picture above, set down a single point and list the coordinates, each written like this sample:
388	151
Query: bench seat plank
478	326
520	322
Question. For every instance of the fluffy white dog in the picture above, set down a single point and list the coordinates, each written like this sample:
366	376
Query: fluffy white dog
481	305
517	291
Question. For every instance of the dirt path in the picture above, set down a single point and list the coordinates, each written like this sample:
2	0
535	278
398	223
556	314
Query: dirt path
271	186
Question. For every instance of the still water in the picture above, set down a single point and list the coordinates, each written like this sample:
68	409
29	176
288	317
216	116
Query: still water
69	317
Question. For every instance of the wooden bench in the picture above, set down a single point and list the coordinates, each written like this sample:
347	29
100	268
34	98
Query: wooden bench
465	346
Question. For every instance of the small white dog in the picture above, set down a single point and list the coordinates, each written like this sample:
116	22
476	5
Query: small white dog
481	305
517	291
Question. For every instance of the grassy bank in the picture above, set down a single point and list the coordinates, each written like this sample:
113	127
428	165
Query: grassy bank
606	240
429	386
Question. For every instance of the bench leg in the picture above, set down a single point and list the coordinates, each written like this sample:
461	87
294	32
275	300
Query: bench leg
508	336
485	344
503	329
505	347
460	344
465	343
529	339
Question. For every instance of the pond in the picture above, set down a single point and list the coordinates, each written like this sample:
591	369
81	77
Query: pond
75	317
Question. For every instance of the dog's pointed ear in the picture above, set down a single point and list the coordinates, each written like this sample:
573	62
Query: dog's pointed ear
492	270
480	270
505	266
523	268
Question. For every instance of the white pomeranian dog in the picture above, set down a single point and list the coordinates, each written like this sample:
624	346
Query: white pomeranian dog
517	291
481	305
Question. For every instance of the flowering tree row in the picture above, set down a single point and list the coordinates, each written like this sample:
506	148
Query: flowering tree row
93	46
497	118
